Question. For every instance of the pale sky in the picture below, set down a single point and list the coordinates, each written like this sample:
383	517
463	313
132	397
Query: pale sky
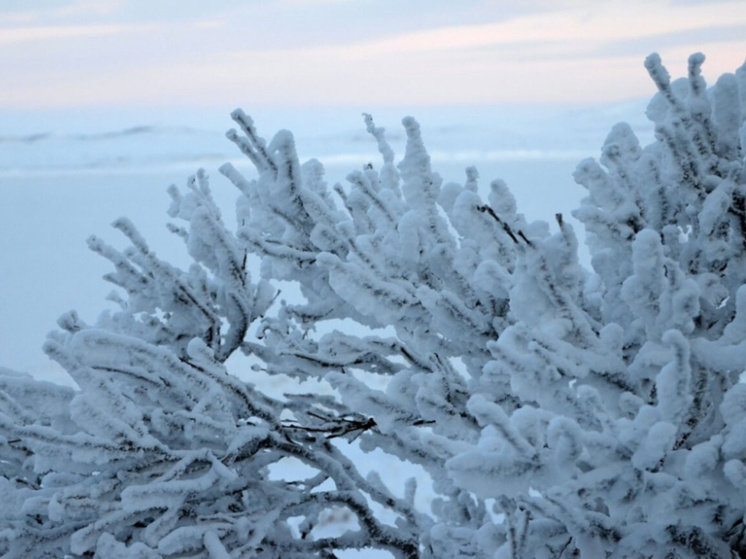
150	53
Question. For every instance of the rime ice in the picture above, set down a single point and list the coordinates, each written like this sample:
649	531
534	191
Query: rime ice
557	411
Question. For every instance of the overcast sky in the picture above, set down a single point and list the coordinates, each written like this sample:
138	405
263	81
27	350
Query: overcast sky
114	53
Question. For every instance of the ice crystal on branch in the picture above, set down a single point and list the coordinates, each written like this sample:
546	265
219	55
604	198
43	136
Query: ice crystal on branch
557	411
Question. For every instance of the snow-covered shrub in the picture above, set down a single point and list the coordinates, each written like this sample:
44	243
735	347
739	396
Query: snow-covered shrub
558	411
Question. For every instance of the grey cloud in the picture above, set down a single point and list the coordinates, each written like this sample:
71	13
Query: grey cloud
699	37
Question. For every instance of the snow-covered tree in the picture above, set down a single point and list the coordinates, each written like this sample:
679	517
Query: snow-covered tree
559	411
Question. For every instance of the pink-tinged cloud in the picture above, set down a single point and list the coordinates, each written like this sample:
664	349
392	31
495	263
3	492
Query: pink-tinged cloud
318	52
51	33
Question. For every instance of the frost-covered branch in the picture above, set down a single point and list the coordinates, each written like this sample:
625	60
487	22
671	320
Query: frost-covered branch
555	411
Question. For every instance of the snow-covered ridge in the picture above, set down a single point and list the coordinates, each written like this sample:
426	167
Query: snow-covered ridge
152	141
150	145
